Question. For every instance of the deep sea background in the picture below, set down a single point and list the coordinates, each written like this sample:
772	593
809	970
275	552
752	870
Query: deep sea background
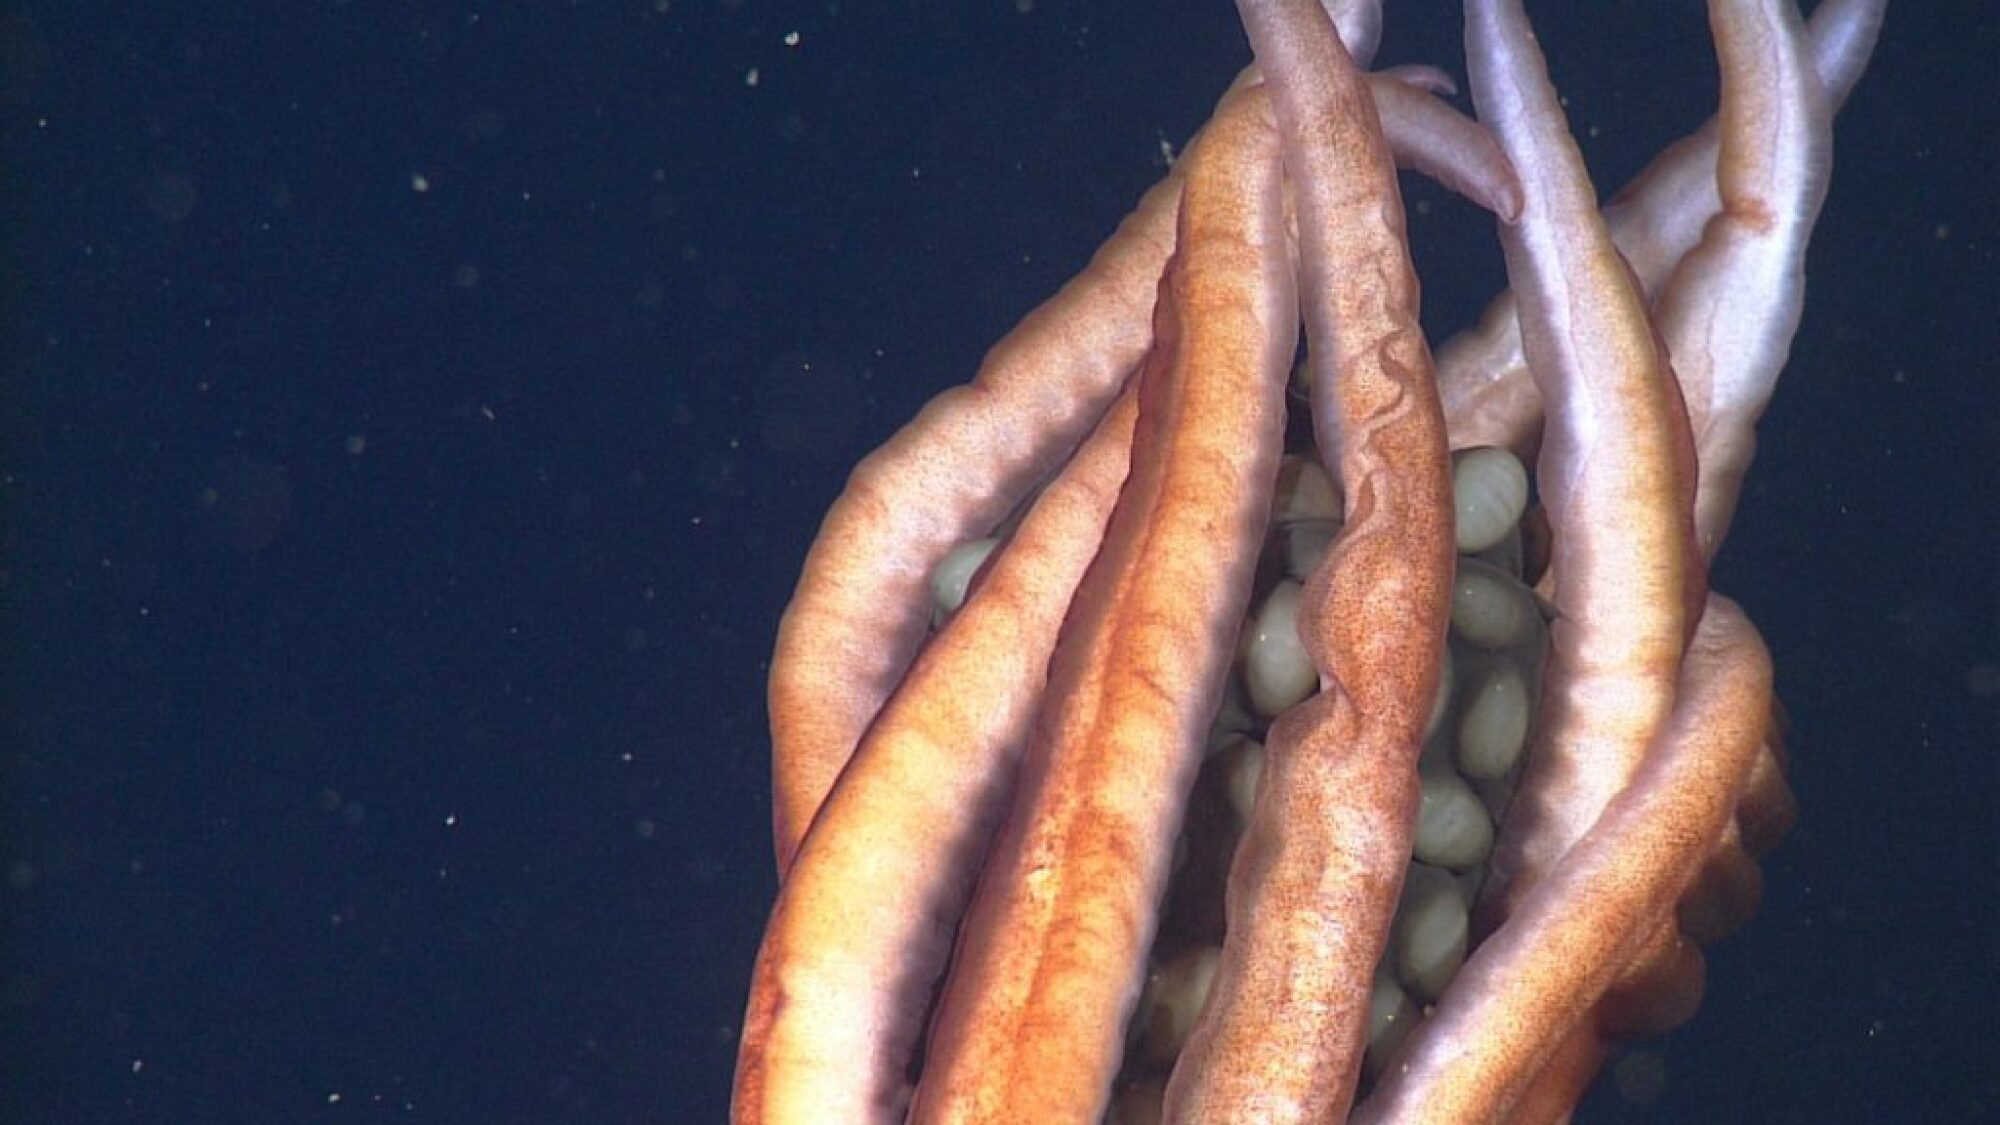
413	416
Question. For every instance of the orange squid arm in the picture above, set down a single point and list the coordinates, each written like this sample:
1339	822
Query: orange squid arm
1052	953
1315	879
951	475
862	928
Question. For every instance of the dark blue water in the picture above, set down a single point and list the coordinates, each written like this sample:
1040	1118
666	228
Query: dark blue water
414	416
